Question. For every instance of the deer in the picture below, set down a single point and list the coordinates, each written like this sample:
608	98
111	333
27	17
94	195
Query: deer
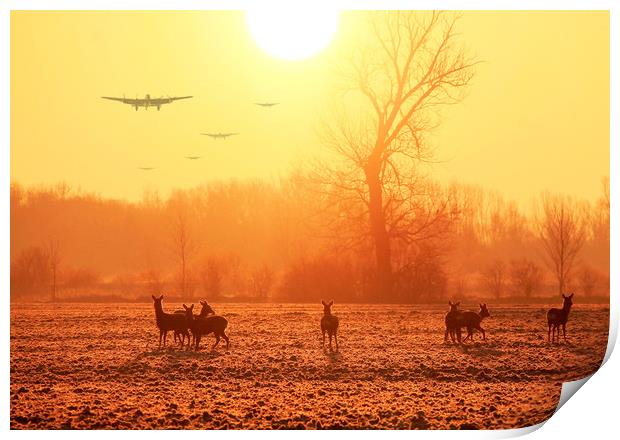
451	325
559	317
329	324
472	321
204	325
168	321
205	311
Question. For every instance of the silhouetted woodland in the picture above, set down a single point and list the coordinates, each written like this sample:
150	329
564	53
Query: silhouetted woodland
290	241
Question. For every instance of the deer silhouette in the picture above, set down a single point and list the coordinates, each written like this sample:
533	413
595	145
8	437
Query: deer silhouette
204	325
329	324
559	317
451	323
168	321
472	321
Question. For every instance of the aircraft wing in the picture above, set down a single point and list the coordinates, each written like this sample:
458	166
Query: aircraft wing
116	99
176	98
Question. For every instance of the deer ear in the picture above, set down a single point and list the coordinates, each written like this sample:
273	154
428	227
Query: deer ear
331	303
191	307
571	295
153	296
185	307
449	303
161	296
323	302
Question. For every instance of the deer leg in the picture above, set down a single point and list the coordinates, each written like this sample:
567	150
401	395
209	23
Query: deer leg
563	331
323	345
160	335
197	339
217	341
469	334
458	335
453	335
330	342
226	339
549	332
336	339
484	337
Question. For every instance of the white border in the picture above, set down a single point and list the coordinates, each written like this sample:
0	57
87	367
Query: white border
574	420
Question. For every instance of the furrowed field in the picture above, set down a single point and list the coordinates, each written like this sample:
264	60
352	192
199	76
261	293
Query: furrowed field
98	366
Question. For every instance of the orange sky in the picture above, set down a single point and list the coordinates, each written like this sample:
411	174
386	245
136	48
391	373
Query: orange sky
536	117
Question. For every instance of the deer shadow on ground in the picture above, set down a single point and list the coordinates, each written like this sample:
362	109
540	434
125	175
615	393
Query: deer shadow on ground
173	354
333	357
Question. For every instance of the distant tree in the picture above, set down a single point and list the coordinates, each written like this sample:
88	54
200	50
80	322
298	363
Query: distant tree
262	281
412	68
493	278
153	282
30	272
54	261
212	275
526	277
589	279
561	224
184	248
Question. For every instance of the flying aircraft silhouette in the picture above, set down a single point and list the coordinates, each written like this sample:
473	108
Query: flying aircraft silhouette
146	168
217	136
192	157
266	104
147	101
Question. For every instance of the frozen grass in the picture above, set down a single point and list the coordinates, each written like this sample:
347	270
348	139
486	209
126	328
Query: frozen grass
98	366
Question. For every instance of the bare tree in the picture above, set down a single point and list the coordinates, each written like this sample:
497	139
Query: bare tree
262	281
526	277
213	272
493	278
411	69
54	261
589	279
184	248
562	232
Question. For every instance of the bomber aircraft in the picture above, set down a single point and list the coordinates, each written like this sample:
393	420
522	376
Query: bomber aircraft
147	101
217	136
266	104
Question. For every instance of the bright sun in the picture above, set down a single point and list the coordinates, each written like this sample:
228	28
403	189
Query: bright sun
292	34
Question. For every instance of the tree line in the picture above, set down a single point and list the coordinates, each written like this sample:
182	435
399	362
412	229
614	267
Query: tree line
286	240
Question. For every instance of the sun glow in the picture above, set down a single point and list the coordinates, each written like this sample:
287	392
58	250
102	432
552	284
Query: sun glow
292	34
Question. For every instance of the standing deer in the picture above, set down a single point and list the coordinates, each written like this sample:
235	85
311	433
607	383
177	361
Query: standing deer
557	317
329	324
168	321
209	324
472	321
451	323
204	312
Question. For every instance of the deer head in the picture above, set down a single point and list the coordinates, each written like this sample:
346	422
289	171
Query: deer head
189	312
568	301
453	306
206	309
484	312
157	301
327	307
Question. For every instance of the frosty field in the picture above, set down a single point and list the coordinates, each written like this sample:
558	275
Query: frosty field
98	366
